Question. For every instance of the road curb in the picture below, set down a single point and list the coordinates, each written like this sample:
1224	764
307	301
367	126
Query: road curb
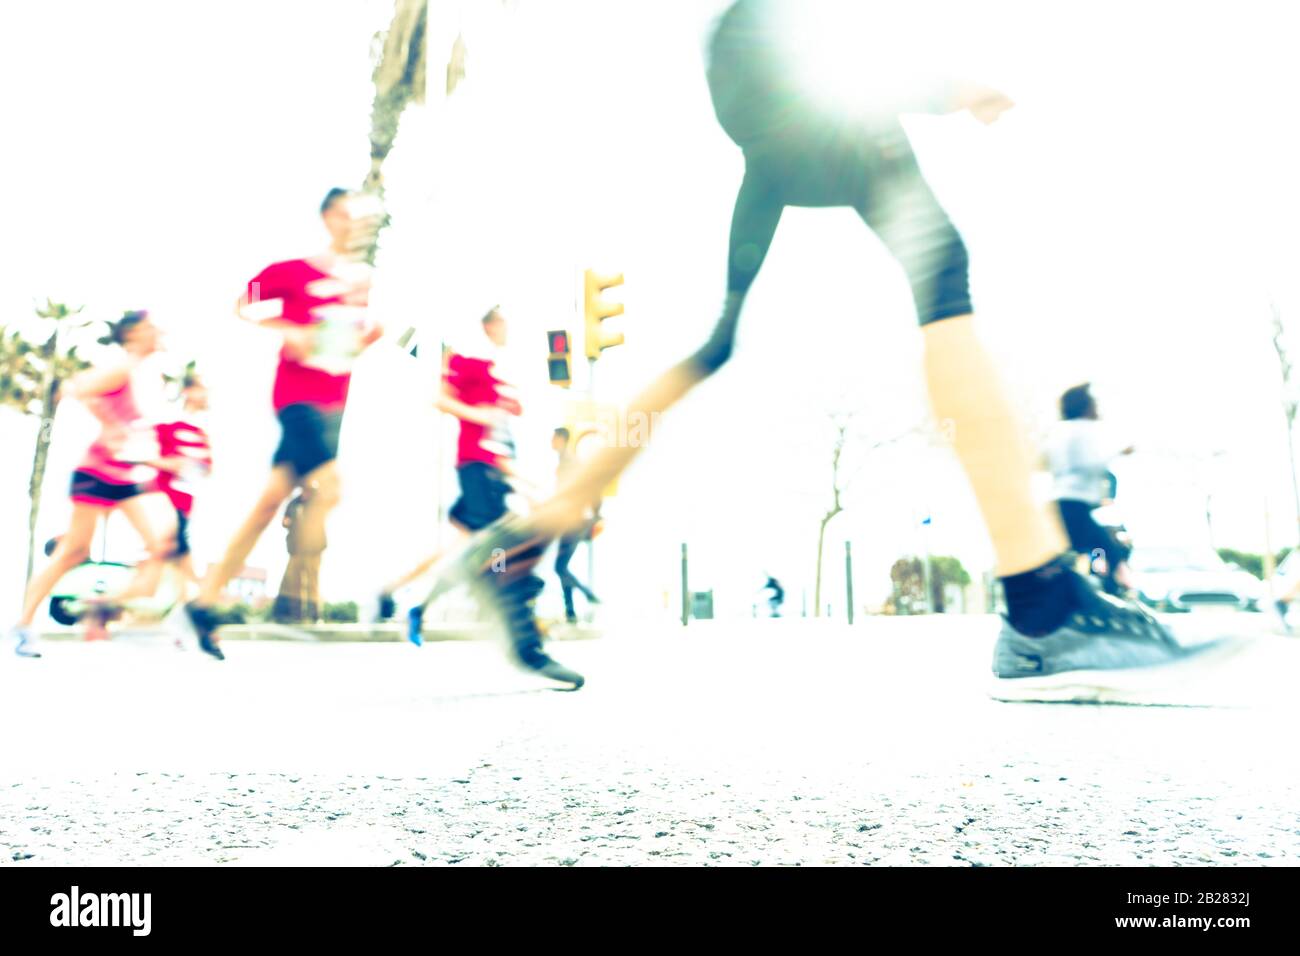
348	633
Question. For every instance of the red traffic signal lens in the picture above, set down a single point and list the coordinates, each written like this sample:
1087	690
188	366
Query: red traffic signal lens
559	342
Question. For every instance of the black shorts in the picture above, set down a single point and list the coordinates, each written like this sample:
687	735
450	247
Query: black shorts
1088	537
309	437
92	490
483	491
182	535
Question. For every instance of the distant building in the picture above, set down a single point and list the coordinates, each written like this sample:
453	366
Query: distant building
249	586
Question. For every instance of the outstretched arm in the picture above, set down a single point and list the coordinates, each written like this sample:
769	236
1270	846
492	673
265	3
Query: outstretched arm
488	415
269	314
100	381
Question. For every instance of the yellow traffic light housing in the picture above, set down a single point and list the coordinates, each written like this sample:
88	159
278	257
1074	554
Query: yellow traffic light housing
595	311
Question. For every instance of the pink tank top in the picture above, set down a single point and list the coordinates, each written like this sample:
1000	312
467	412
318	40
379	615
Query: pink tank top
112	457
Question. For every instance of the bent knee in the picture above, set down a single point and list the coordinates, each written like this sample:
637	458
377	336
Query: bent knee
717	351
325	491
326	498
73	555
160	548
712	356
942	291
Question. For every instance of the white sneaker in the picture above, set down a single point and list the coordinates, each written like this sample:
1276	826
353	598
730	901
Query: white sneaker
26	642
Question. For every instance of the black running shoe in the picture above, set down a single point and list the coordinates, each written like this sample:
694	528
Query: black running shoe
202	625
513	603
286	610
554	670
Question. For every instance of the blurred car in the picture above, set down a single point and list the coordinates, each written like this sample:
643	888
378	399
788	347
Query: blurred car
89	579
1287	575
93	579
1186	579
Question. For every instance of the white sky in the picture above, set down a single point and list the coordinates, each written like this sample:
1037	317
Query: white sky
1127	223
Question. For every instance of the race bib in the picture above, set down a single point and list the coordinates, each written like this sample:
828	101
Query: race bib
340	325
338	338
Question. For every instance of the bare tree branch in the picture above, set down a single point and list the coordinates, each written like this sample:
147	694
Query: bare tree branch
1290	401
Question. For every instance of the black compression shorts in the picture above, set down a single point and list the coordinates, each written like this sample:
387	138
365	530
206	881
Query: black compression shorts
483	491
798	156
309	437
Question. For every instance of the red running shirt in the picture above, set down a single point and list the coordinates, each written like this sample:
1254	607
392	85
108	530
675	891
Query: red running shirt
310	296
116	455
472	381
183	440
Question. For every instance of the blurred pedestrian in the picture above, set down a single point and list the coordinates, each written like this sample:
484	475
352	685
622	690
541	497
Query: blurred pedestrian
568	543
1080	451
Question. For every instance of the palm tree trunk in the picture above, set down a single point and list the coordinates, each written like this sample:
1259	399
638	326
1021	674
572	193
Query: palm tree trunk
817	588
1295	478
399	79
43	437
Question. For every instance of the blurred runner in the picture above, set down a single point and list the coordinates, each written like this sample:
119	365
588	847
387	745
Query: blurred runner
186	459
319	306
469	392
474	393
113	474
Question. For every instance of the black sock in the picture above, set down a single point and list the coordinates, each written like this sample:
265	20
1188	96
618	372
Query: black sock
1039	601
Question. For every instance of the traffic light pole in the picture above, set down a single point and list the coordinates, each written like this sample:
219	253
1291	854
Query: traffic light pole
591	544
595	340
925	568
686	589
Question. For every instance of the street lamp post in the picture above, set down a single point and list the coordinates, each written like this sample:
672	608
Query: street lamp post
848	578
925	565
686	593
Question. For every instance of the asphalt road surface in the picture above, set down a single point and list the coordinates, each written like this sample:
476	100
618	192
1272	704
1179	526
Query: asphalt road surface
754	743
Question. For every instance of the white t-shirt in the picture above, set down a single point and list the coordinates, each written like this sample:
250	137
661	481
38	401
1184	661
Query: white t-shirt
1079	453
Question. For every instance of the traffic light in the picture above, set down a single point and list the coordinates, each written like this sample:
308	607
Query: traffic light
558	363
595	311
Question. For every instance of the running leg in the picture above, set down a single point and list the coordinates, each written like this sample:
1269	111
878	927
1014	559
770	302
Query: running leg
563	555
72	550
148	572
967	396
278	488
